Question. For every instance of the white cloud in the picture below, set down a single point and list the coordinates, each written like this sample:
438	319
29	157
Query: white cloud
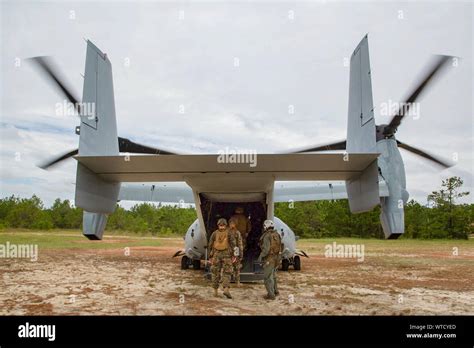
190	62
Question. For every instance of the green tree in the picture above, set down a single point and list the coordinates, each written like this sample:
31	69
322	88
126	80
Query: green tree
7	205
416	219
29	213
454	220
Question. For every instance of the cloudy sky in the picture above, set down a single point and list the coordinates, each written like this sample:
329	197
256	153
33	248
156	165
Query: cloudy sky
177	85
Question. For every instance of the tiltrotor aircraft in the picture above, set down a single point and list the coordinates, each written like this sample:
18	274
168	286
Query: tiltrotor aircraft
370	164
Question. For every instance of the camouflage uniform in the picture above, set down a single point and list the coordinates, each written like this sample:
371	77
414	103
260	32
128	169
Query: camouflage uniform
237	265
271	260
243	225
221	268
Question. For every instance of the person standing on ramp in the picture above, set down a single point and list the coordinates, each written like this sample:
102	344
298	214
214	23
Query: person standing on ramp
238	250
270	244
221	246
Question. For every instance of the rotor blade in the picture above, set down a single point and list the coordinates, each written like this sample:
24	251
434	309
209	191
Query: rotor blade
56	160
340	145
428	77
126	145
441	162
45	65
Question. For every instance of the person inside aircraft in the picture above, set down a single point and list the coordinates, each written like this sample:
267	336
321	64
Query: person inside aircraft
243	224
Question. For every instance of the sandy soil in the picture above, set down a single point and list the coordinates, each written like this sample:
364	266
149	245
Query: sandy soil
150	282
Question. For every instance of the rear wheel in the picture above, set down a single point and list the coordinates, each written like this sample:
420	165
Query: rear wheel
197	264
297	263
285	264
184	262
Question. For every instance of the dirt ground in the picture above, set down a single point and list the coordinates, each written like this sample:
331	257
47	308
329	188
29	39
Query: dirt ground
390	281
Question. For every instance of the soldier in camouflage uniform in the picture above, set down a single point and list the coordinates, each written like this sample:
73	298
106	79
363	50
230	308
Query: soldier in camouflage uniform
243	224
238	250
270	244
221	246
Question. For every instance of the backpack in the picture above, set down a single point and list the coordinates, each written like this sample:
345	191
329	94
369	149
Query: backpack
222	240
275	243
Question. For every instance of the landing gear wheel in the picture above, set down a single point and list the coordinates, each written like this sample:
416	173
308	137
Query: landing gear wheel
285	264
184	262
197	264
297	263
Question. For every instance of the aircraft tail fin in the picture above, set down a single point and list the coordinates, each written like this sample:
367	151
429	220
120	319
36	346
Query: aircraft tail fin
98	137
363	191
98	132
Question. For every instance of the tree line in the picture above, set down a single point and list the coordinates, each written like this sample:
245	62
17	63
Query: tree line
442	218
30	213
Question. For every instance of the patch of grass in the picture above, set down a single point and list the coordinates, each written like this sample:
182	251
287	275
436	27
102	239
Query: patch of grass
72	240
384	242
142	234
106	233
391	246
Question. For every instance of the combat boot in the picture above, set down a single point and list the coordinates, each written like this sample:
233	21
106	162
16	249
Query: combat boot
216	294
227	293
269	297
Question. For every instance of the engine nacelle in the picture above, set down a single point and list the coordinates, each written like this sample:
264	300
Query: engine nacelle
287	238
195	242
94	225
392	170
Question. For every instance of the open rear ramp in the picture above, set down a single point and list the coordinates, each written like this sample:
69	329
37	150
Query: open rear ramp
217	205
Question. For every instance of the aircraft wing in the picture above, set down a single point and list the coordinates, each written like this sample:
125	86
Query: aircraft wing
284	191
315	191
281	167
157	192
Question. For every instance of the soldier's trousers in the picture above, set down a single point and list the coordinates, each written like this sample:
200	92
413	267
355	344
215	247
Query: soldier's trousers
244	243
236	270
269	276
221	261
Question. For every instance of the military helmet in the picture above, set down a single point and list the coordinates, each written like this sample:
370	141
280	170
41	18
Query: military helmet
222	221
268	225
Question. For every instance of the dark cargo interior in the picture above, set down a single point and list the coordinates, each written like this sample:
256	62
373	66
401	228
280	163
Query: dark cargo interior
256	212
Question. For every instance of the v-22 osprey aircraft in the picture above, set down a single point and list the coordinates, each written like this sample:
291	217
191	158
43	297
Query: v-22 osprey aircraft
368	161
